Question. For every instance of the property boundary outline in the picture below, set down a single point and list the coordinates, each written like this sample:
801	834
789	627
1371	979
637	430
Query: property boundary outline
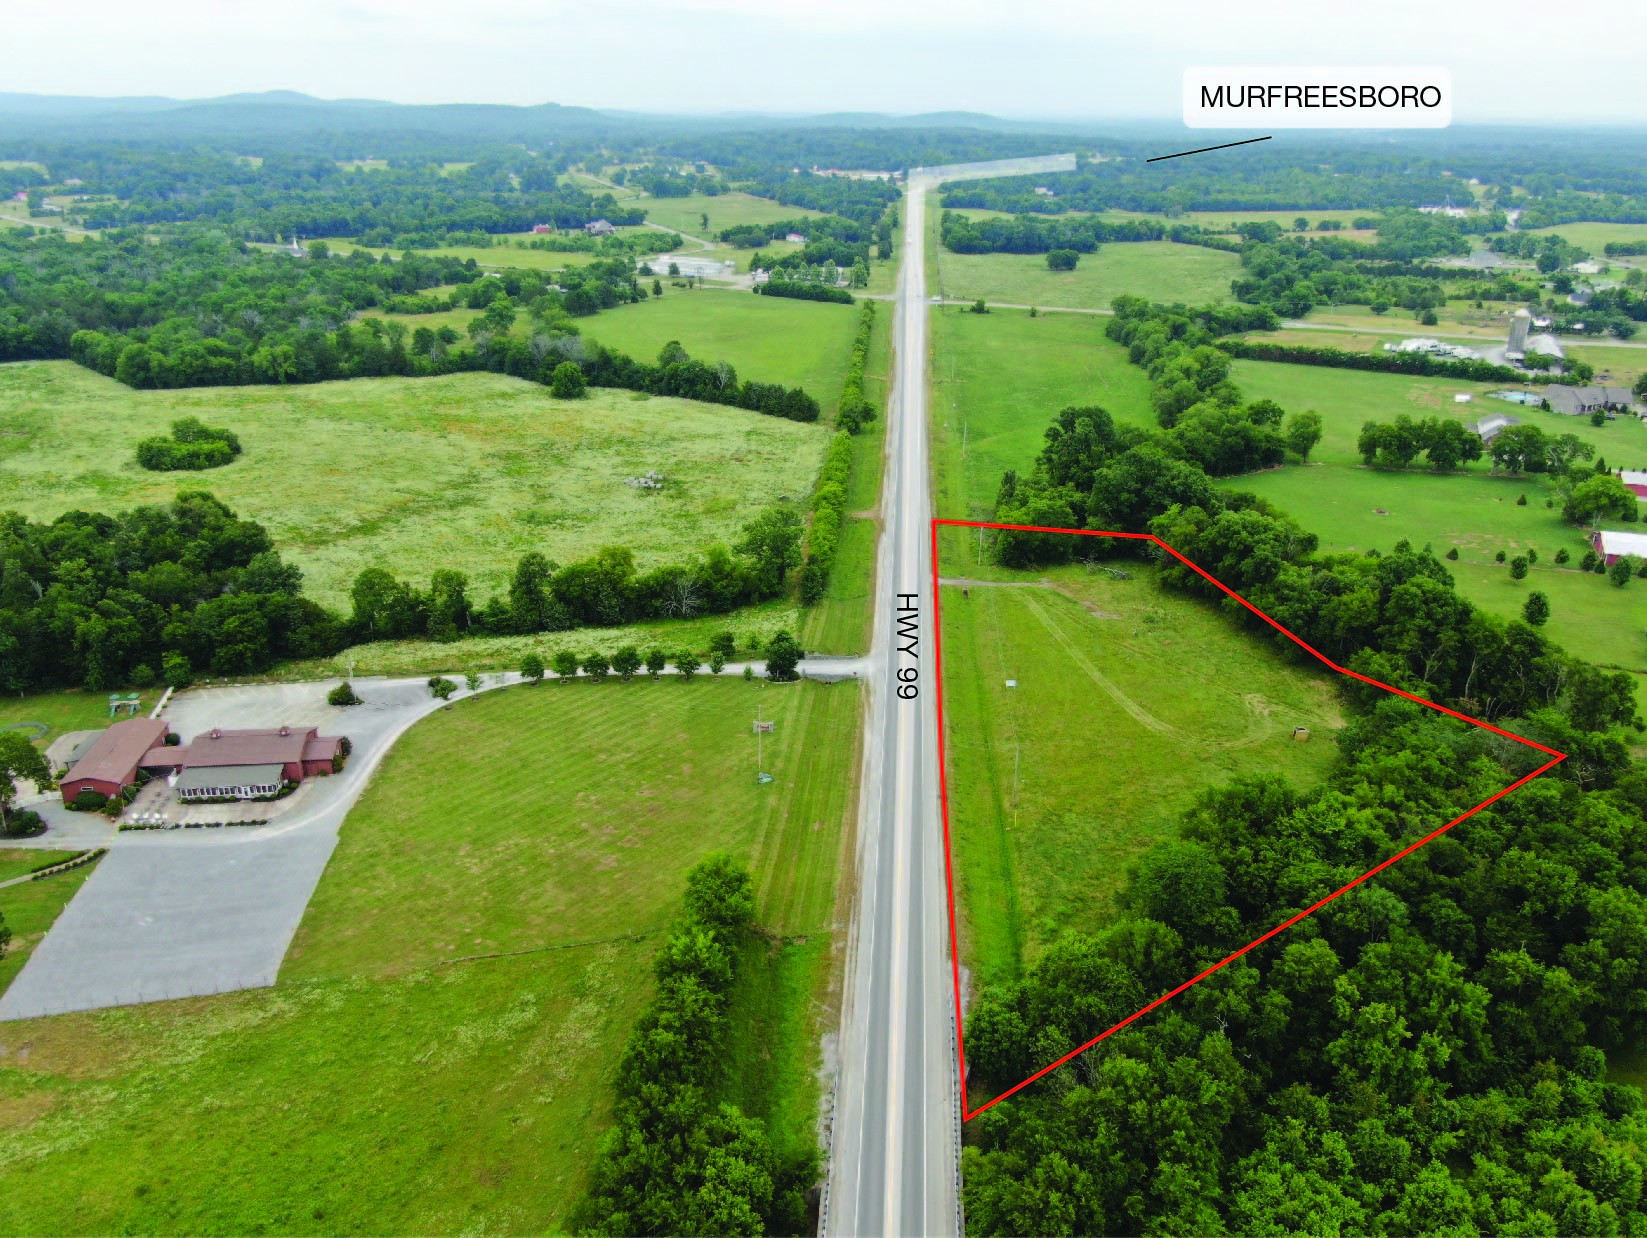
967	1114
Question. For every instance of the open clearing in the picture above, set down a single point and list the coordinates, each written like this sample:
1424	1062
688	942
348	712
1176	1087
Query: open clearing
393	1082
412	474
1159	270
998	381
802	344
1129	701
727	210
1594	236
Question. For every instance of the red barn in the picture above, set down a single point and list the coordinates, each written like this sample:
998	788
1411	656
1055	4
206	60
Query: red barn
1612	545
110	765
1635	483
249	762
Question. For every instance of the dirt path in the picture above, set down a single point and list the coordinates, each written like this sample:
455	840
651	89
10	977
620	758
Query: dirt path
1133	709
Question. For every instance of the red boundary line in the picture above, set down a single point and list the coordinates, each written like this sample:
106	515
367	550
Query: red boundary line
968	1114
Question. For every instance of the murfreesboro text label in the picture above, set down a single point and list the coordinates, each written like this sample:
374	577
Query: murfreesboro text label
1245	97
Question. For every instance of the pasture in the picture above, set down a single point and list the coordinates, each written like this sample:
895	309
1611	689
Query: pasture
727	210
998	380
1159	270
510	249
1351	507
1355	508
438	1053
1594	236
1130	700
411	474
803	344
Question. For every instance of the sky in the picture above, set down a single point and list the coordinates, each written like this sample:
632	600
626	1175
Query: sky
1511	60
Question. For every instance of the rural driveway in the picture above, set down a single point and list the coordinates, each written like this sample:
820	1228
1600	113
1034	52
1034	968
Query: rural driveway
184	913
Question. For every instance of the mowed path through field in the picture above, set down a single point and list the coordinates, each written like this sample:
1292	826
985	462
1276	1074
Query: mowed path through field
1128	701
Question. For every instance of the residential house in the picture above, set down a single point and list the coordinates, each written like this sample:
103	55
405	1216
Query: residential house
1582	401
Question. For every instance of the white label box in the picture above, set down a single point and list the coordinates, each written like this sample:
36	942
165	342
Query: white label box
1290	97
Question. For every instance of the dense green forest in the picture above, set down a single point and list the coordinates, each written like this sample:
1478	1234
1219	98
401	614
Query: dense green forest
195	309
1425	1054
310	195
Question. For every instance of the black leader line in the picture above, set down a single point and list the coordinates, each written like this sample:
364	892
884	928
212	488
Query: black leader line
1204	149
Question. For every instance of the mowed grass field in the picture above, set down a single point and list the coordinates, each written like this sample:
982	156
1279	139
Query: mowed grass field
1130	700
1159	270
412	474
504	252
73	710
840	621
438	1053
770	339
30	908
999	379
1351	507
727	210
1594	236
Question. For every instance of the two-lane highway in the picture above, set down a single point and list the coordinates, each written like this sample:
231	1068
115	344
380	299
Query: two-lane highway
894	1163
893	1168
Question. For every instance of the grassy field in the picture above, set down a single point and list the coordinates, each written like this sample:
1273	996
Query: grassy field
770	339
1129	701
1158	270
1594	236
411	474
29	910
20	861
840	621
1348	398
998	381
394	1082
504	253
727	210
1355	508
73	710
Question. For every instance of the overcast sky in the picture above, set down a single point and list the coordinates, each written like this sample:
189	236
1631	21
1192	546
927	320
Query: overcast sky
1510	59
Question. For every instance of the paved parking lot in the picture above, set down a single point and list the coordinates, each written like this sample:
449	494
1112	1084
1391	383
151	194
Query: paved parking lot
190	912
182	913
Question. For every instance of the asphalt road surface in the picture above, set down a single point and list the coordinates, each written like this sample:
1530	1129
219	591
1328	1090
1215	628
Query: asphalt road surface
894	1155
895	1151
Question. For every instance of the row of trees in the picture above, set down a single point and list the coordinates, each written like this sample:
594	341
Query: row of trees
604	590
1448	445
855	408
681	1159
828	517
1385	362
